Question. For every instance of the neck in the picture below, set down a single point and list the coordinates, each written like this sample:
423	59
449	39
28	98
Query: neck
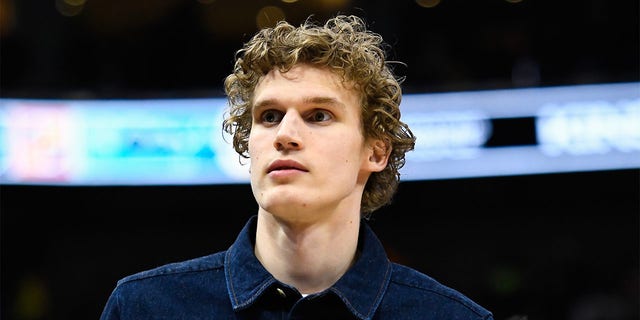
309	256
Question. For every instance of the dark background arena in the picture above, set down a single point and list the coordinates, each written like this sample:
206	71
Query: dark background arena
545	246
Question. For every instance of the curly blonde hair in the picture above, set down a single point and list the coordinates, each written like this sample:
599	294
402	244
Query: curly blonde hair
346	47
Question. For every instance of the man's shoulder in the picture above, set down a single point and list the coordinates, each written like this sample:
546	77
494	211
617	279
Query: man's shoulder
413	284
193	266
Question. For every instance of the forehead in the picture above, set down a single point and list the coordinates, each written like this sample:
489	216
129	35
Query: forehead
304	81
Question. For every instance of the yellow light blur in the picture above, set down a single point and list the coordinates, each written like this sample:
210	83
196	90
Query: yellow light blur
289	1
269	16
33	298
428	3
75	2
333	4
7	17
68	8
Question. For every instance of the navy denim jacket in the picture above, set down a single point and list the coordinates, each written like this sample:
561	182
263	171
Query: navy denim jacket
234	285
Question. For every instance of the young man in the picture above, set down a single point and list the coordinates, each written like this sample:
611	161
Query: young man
316	109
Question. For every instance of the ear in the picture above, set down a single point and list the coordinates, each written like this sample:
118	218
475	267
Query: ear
379	153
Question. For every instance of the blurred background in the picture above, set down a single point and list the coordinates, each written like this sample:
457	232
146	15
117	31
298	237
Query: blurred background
547	245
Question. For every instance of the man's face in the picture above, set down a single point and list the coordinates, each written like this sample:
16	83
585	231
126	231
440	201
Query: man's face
306	146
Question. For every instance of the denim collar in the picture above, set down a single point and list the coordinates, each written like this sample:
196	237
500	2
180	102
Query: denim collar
361	288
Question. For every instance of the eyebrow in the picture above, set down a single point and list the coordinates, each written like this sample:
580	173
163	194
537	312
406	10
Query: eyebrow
323	100
307	100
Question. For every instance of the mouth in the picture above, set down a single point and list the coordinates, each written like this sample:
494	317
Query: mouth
280	165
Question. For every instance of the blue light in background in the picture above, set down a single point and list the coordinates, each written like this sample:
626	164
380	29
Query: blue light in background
180	141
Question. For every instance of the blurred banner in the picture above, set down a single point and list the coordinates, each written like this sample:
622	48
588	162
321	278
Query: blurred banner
459	134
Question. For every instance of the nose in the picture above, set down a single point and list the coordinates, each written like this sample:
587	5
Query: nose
288	134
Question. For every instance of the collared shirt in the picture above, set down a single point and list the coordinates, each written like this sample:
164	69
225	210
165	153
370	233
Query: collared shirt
233	284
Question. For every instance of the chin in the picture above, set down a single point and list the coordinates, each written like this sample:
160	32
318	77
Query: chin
286	208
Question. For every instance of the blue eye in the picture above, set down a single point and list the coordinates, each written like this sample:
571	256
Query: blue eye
271	116
320	116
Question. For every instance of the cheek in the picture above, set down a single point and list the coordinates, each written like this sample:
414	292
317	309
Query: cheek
254	156
258	144
254	152
254	144
349	155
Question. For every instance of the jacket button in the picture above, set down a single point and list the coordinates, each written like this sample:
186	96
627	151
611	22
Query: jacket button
281	292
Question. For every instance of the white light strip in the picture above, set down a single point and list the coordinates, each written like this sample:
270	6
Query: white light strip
180	141
510	161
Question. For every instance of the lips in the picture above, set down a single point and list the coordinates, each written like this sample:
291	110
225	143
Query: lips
285	165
